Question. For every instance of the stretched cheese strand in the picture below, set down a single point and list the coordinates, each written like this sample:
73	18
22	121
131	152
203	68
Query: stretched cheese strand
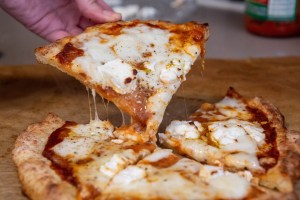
105	106
123	118
89	101
95	107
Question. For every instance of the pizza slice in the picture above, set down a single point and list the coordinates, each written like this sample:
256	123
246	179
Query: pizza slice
138	65
238	134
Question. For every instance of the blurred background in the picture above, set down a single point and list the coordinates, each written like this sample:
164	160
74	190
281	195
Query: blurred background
228	37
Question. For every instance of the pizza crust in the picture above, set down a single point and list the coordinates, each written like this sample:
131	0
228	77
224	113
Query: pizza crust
262	193
38	180
285	173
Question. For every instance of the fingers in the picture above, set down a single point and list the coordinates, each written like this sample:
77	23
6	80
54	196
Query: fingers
84	23
55	35
97	12
75	30
60	33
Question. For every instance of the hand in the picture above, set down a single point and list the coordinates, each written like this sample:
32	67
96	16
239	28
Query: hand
55	19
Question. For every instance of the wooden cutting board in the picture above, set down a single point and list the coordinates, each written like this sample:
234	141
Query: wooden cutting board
28	93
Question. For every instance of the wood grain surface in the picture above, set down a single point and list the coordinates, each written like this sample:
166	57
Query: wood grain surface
28	93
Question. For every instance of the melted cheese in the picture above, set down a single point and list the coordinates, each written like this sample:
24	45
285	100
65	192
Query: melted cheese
95	105
95	155
97	128
233	143
227	108
117	74
118	162
158	155
185	179
209	171
130	174
82	139
174	72
117	169
110	59
231	107
242	160
236	135
188	129
75	148
226	184
232	138
230	186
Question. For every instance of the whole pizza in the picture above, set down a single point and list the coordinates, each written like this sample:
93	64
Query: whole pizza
236	148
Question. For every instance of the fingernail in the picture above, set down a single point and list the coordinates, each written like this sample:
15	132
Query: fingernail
111	15
118	15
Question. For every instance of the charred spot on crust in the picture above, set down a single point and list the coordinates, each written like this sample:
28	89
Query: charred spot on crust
69	53
154	25
147	54
113	30
134	71
213	172
84	161
231	92
140	66
83	75
128	80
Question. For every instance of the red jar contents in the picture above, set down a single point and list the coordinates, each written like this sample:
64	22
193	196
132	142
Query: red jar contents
273	18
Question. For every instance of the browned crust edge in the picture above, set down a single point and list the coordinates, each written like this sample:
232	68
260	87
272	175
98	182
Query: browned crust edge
38	180
285	173
261	193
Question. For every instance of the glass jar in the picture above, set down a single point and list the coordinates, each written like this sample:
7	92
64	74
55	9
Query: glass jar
273	18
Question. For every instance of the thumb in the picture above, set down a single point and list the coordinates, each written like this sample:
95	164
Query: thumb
97	13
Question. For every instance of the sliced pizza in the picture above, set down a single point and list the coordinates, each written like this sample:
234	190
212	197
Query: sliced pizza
240	134
65	160
138	65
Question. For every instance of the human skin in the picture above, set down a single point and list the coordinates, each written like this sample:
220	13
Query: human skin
55	19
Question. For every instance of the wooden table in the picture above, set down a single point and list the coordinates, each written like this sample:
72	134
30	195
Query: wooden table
28	93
